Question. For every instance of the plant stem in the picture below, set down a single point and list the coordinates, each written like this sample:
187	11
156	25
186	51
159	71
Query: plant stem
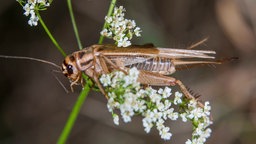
50	35
72	117
110	10
83	95
74	24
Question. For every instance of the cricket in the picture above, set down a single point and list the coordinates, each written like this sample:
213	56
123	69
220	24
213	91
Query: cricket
155	64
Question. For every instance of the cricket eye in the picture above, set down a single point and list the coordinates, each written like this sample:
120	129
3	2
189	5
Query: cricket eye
70	69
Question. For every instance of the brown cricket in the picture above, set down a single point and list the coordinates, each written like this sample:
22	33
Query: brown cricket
155	64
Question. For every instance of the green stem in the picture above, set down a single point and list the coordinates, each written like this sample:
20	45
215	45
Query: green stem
73	116
50	35
76	109
74	24
110	10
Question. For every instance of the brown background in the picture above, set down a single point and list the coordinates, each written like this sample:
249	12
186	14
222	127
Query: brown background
34	107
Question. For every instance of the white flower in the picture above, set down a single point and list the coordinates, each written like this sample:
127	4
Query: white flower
126	115
200	116
116	119
28	9
166	110
153	116
130	24
119	11
171	114
160	106
196	113
154	96
184	117
192	104
207	121
43	2
106	33
33	20
164	131
189	142
207	108
165	134
160	91
105	79
147	124
141	106
207	133
137	31
112	104
177	99
124	42
167	104
167	92
127	81
31	7
108	19
160	124
119	28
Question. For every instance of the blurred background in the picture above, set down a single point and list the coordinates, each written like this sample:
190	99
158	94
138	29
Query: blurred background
34	107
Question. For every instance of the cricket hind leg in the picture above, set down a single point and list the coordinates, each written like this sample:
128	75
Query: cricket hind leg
155	79
96	80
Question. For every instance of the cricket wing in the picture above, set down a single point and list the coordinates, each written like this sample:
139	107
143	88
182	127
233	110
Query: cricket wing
128	60
109	50
137	55
185	53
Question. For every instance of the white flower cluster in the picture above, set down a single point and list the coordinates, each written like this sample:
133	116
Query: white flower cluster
126	95
158	111
155	106
119	28
201	120
30	6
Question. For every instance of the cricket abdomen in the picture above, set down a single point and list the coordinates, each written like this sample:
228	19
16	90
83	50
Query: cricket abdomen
157	65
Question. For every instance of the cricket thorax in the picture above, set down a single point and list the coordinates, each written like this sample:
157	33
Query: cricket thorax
84	59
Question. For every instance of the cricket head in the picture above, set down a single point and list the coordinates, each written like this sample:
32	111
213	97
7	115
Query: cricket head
70	70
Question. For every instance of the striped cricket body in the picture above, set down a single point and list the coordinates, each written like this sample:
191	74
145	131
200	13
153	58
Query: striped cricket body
153	63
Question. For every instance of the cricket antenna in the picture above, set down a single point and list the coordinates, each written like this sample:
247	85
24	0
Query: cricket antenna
62	85
39	60
30	58
198	43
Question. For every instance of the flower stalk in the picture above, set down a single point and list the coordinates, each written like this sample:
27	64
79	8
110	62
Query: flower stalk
110	11
74	24
84	93
73	115
50	35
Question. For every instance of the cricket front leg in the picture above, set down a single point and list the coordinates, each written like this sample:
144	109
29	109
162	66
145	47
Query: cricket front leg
155	79
96	80
116	67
